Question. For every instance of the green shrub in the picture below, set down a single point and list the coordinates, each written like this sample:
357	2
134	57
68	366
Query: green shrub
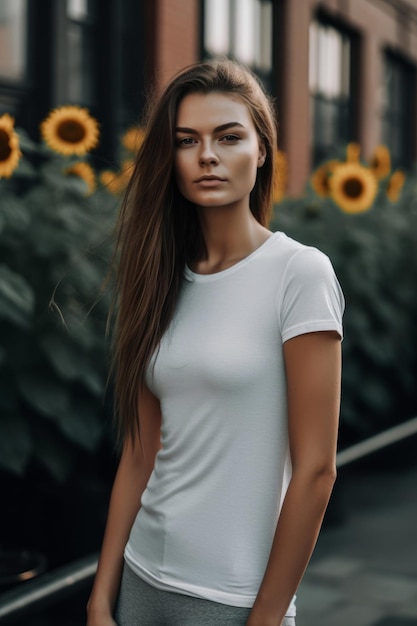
53	357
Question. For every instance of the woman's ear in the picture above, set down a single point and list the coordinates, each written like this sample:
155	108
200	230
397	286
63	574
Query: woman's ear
262	154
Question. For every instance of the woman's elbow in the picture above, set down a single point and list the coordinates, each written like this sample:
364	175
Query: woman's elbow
321	475
325	478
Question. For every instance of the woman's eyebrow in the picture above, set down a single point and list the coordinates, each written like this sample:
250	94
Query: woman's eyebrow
218	129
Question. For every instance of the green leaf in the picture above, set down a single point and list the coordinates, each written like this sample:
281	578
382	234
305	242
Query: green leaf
86	276
53	451
54	175
82	424
25	142
25	169
14	213
66	359
45	394
22	352
15	443
70	361
93	381
9	401
75	219
50	240
17	299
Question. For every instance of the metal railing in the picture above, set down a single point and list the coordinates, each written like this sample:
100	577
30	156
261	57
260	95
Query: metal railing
47	590
377	442
55	586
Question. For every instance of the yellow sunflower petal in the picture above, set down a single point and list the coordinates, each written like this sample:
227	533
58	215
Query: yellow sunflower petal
395	185
280	177
9	146
353	187
70	130
380	163
112	182
133	138
108	180
320	178
86	172
353	152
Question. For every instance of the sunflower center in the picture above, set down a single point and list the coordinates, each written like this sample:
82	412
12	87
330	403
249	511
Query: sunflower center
353	187
5	149
71	131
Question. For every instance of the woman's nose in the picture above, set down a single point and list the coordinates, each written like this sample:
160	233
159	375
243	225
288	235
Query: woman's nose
208	154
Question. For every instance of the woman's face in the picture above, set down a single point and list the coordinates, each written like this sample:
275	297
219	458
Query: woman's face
218	150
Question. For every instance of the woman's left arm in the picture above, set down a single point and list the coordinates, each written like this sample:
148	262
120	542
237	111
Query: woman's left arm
313	370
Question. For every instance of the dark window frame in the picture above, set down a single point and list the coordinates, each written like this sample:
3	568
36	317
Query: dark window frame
87	27
123	42
347	112
30	98
398	118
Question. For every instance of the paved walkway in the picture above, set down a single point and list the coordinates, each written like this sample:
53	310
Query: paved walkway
364	570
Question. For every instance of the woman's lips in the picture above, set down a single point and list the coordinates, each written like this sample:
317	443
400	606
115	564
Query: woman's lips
209	181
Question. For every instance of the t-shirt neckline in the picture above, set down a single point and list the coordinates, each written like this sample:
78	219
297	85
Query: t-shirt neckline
194	276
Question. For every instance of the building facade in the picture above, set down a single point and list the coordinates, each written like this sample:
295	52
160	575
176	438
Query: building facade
340	70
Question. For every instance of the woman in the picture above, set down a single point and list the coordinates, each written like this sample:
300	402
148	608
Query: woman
227	361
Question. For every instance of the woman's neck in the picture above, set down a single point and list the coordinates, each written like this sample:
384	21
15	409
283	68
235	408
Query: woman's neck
229	237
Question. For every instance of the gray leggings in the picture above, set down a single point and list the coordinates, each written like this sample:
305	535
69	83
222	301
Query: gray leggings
140	604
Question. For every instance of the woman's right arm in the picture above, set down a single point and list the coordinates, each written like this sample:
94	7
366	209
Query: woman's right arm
135	467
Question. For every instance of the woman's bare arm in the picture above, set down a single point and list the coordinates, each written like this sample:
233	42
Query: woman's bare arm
136	465
313	369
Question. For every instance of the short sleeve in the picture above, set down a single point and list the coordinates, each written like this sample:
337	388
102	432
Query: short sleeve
310	298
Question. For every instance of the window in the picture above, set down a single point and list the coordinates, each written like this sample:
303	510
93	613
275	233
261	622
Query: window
330	59
240	29
398	109
99	63
13	26
80	57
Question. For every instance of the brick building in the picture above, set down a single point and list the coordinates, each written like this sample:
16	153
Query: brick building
340	70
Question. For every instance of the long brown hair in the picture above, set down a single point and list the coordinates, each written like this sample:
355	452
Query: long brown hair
158	234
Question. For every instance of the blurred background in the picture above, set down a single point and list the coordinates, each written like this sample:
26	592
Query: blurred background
74	75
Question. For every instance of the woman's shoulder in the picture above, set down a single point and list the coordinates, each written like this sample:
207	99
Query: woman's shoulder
292	251
301	266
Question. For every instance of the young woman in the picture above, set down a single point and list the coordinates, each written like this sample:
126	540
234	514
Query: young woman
228	365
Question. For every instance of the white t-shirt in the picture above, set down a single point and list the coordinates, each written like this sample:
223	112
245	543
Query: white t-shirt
210	509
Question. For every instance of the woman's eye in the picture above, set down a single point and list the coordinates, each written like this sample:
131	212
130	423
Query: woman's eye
230	138
185	141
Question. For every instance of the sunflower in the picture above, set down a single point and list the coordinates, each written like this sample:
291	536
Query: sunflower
353	152
116	182
380	163
70	130
133	138
9	146
395	185
280	176
85	171
353	187
111	181
320	178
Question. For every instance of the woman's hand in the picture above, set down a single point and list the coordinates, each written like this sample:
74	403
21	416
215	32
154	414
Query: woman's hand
258	619
263	615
